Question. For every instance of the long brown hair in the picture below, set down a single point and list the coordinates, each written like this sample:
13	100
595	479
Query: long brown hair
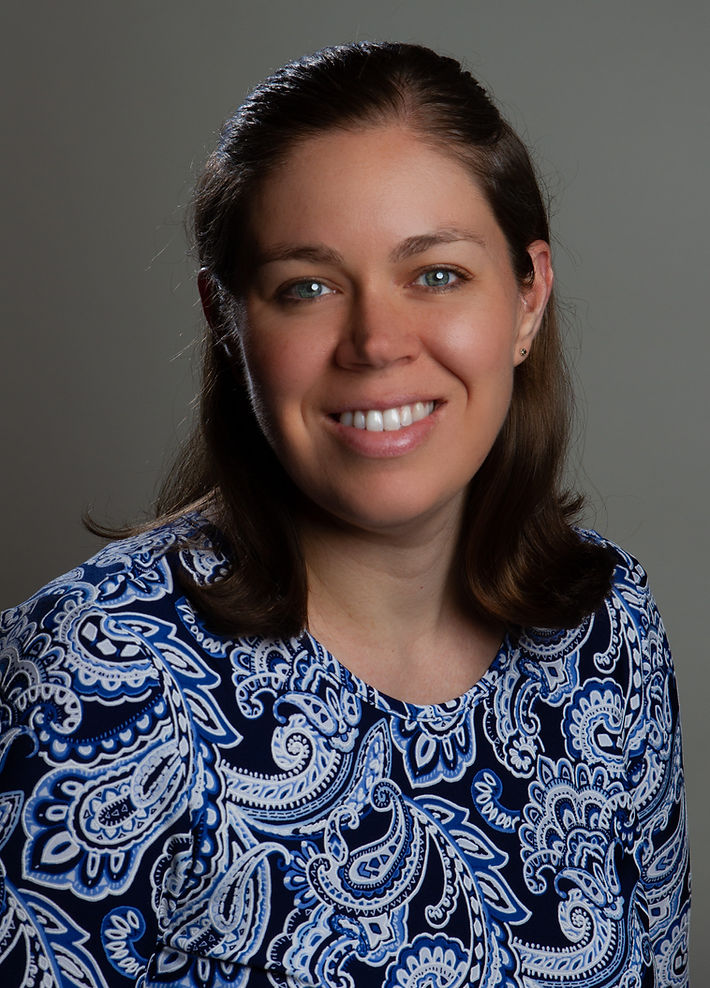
519	559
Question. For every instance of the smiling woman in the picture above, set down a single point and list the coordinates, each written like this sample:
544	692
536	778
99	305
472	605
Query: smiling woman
362	707
341	318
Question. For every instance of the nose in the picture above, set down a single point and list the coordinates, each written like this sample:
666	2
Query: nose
379	332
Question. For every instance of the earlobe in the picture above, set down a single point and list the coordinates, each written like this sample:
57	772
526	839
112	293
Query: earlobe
534	298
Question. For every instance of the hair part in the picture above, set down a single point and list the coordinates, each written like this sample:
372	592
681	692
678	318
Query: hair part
519	559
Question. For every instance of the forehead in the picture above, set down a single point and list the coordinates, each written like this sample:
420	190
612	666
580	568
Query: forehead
383	180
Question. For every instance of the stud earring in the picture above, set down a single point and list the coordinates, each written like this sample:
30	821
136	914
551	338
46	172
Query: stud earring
523	351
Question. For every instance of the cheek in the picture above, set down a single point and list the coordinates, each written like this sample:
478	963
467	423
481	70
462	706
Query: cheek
267	373
280	374
480	348
258	371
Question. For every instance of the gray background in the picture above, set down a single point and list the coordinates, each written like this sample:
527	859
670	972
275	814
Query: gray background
112	107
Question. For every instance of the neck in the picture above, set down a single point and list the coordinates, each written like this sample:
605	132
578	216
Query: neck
381	582
386	604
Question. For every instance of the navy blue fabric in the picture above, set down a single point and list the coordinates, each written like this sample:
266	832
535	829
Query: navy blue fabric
181	808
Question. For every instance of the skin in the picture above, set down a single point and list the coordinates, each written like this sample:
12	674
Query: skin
384	279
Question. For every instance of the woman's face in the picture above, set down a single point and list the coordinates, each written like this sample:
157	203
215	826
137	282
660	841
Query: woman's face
382	325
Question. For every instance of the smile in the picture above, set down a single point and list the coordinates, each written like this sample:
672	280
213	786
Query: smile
388	419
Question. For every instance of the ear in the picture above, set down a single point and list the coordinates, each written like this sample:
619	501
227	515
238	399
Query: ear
534	298
208	296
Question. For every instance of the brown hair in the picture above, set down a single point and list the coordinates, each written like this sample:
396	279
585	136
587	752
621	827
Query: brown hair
519	559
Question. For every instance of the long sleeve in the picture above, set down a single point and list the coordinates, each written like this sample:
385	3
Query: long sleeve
95	771
654	754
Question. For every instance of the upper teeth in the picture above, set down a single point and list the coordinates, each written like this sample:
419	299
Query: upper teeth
388	420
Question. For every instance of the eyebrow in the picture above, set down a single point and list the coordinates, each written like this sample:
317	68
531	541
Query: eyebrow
409	247
425	241
298	252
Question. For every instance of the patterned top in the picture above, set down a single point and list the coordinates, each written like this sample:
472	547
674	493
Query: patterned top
182	808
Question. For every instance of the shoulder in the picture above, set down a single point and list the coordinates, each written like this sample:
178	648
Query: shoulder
110	628
621	646
131	572
626	635
629	588
106	666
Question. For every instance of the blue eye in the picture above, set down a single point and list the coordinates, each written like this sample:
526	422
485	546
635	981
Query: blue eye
303	291
438	278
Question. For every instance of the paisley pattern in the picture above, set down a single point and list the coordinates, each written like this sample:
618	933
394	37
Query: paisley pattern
183	809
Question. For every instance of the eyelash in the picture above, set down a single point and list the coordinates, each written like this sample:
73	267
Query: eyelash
460	278
283	292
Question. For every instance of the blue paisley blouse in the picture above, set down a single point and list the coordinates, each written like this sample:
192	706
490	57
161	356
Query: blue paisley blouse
181	808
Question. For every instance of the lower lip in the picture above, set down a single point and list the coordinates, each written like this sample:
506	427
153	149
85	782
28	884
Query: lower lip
382	445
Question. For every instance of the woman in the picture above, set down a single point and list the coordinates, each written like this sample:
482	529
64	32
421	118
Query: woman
361	707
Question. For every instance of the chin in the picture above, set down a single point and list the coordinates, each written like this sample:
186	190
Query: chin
385	515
